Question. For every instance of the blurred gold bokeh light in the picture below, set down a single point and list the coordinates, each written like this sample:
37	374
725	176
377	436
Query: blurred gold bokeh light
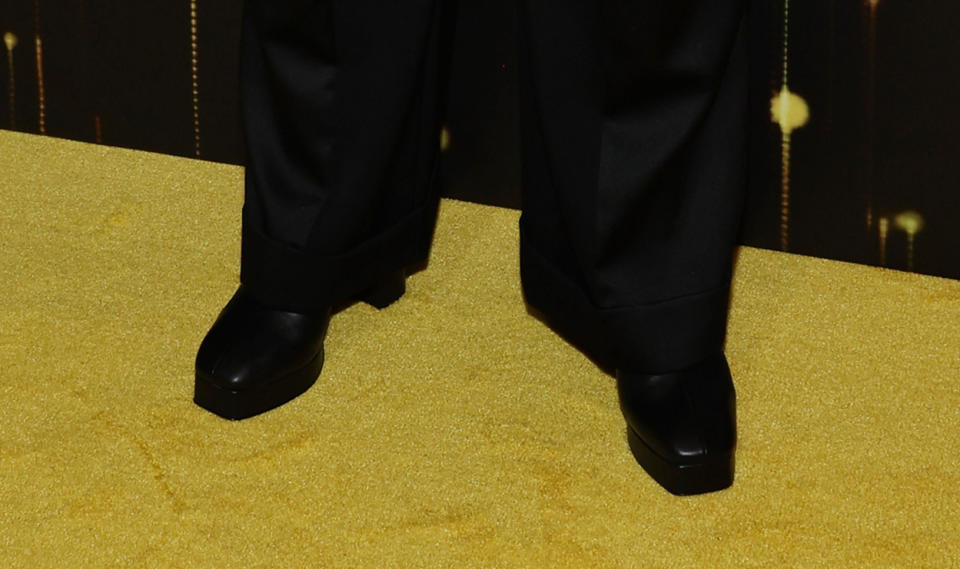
789	110
444	139
909	221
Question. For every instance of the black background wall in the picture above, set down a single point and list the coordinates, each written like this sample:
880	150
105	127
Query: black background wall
857	163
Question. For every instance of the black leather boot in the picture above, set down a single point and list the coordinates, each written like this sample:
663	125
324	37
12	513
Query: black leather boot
255	357
681	426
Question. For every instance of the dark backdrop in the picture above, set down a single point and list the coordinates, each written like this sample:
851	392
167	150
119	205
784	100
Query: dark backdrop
868	176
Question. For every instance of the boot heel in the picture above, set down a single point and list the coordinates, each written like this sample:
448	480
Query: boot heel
387	292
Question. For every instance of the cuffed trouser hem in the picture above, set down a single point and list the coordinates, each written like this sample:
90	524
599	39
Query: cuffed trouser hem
287	278
658	337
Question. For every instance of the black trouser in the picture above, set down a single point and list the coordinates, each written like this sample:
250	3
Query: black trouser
633	123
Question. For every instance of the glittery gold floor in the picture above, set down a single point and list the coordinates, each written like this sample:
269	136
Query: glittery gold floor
450	430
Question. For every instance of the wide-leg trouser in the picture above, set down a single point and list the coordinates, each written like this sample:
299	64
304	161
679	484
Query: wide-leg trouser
633	136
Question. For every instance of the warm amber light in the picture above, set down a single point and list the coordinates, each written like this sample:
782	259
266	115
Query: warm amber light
883	228
911	222
195	76
41	92
790	112
10	40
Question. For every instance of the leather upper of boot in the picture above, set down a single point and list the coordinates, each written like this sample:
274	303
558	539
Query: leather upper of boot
252	344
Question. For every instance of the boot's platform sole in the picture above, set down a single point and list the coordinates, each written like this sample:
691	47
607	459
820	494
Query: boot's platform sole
237	405
715	473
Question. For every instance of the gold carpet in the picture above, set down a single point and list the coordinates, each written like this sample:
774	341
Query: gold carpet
449	430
